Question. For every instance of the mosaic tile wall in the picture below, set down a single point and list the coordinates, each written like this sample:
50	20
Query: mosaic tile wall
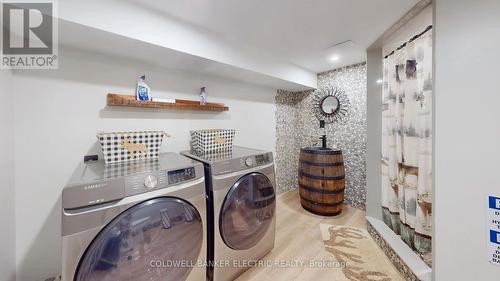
297	127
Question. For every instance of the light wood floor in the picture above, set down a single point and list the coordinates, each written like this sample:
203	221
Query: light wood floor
298	238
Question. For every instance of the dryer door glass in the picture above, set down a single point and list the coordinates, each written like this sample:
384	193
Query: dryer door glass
145	243
247	212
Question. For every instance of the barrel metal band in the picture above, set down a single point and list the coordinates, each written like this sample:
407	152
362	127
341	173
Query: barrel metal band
322	204
316	190
320	212
322	164
321	177
313	150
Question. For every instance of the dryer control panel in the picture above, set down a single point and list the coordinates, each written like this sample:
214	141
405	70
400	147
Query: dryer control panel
256	160
181	175
262	159
238	164
235	160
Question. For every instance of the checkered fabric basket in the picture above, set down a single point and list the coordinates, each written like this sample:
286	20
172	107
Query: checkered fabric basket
211	140
129	146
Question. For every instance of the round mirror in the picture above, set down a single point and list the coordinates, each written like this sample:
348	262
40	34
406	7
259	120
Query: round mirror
329	104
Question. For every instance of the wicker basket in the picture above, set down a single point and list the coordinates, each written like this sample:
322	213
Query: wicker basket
212	140
129	146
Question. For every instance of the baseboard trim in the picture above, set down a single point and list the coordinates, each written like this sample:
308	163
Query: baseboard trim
402	257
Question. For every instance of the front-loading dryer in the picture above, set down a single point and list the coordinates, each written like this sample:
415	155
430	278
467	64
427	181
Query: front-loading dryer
242	202
135	221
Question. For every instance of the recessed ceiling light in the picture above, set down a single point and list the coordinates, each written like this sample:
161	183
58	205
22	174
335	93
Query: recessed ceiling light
379	81
334	58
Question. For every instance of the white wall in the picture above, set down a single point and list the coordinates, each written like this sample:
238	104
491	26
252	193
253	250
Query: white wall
467	135
374	71
7	211
57	114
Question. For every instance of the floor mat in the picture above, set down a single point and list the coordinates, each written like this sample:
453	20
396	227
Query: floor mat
361	258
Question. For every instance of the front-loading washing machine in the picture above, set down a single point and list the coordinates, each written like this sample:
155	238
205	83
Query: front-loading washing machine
136	221
242	202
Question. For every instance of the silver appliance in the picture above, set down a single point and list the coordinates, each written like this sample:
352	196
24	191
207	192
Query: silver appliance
242	203
136	221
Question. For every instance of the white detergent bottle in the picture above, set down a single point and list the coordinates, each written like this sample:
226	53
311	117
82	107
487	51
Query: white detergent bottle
143	91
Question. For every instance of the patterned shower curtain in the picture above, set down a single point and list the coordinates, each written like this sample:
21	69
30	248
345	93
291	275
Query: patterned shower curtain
407	143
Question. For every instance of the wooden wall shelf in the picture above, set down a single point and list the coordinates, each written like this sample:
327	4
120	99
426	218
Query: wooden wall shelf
130	101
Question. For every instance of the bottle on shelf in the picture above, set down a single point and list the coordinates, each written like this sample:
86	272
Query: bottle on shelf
203	96
143	92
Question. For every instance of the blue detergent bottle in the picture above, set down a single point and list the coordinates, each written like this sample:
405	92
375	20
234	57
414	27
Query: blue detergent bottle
143	92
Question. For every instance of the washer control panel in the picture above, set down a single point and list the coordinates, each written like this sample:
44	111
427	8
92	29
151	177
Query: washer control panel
144	182
181	175
249	162
151	181
157	179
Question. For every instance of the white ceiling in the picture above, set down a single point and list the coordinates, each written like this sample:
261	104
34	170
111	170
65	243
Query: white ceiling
302	32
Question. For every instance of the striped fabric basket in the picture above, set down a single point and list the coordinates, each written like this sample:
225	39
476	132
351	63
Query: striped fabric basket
129	146
212	140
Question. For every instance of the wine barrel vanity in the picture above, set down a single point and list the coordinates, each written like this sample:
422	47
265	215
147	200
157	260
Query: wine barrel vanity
321	180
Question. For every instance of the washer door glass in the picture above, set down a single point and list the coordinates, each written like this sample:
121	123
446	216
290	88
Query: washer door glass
247	212
159	239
